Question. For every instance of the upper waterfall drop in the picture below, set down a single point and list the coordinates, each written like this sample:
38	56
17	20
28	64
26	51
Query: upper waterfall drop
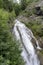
16	1
25	35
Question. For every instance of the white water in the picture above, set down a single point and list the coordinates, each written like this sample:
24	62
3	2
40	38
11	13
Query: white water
16	1
25	35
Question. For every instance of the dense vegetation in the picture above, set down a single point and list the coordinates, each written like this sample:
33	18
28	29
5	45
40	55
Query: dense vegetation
36	27
9	48
10	54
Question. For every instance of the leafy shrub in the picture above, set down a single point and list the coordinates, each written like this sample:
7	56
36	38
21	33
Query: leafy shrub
4	15
6	4
23	4
17	9
36	28
9	47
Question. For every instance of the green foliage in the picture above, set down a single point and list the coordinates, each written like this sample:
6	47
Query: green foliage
30	1
4	15
11	19
1	3
23	4
9	6
28	13
36	27
17	9
6	4
7	17
10	54
9	48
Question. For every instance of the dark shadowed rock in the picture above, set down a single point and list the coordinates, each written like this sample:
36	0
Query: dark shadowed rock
40	42
38	11
34	42
37	8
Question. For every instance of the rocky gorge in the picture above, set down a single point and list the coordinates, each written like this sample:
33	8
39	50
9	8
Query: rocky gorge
32	17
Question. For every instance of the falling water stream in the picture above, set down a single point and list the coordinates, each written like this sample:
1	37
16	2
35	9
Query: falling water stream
25	35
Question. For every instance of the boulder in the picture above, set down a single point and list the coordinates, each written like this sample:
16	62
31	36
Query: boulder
38	11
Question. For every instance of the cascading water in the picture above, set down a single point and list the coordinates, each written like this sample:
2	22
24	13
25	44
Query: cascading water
25	35
16	1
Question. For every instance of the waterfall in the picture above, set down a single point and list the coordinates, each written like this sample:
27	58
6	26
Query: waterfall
25	35
16	1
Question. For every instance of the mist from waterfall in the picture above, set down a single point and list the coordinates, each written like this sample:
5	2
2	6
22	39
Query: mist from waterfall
25	35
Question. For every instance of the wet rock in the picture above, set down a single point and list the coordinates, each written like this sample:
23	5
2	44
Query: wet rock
34	42
40	42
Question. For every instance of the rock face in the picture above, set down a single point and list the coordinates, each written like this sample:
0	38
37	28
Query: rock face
40	43
40	55
39	12
34	42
